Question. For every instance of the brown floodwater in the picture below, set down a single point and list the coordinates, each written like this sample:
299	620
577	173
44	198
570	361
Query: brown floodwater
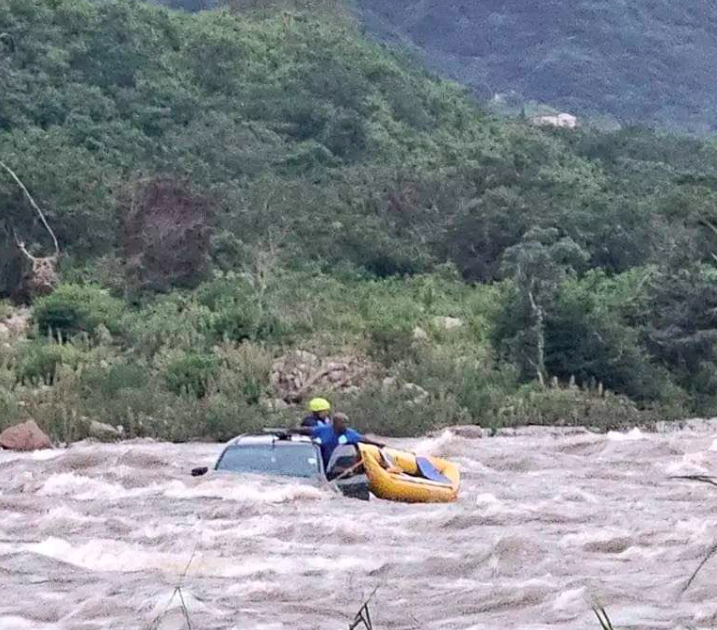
548	523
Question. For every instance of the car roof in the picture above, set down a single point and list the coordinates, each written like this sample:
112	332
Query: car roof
254	440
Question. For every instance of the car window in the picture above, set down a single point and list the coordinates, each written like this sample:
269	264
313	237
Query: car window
289	459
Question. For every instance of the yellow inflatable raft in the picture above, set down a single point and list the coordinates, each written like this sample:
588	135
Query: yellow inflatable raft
402	476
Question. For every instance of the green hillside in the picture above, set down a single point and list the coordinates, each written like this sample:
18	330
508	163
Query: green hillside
229	186
648	61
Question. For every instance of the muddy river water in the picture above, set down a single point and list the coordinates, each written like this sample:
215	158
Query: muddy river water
548	523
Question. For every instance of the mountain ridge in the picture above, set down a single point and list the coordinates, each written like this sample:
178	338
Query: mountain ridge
645	62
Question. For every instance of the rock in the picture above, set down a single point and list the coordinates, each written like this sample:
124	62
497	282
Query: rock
105	432
337	376
419	334
419	394
306	357
389	383
447	323
4	332
468	431
19	322
297	376
24	437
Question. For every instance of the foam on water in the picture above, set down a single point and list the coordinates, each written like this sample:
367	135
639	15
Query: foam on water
227	488
98	536
12	622
37	456
617	436
84	488
436	446
116	556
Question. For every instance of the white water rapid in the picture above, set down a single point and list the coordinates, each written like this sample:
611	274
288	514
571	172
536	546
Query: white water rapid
548	523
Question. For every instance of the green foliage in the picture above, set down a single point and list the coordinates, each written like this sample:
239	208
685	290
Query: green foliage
384	412
74	309
190	373
592	407
39	361
390	340
9	408
5	309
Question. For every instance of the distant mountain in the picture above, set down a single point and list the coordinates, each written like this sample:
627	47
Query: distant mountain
647	61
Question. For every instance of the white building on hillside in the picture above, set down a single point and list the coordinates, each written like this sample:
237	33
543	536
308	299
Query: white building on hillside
568	121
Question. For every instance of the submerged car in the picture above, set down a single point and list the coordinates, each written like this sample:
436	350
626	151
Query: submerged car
294	456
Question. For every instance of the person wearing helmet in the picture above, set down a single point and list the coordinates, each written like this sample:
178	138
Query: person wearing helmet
319	409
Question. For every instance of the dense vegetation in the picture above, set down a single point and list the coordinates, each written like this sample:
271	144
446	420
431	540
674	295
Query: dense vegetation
227	185
641	61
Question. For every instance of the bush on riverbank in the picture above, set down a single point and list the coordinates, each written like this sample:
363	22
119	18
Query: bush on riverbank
174	369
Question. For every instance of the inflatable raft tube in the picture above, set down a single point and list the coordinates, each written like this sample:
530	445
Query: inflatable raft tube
402	476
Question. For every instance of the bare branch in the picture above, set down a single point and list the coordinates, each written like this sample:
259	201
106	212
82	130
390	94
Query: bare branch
694	575
21	246
363	616
35	207
701	478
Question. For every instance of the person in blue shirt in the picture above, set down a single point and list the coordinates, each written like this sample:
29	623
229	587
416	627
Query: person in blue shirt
329	436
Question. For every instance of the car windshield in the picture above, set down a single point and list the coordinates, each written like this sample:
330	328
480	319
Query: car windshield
290	459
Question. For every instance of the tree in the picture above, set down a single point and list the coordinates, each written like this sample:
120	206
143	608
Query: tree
166	235
42	277
537	266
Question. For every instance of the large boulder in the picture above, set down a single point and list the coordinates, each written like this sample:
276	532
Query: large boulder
419	334
105	432
300	375
447	323
24	437
16	325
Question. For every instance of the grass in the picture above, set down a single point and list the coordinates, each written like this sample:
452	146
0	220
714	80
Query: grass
156	623
603	618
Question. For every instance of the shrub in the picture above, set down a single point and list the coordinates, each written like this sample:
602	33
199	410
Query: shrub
571	406
244	372
75	308
5	309
225	418
399	414
123	393
235	321
9	409
173	322
390	340
465	373
38	362
190	373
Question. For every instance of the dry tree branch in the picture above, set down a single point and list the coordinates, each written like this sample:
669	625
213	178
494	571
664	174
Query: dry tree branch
709	555
363	616
700	478
154	625
713	550
37	209
603	618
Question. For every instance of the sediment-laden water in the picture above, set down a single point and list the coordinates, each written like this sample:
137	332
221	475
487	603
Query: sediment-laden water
548	522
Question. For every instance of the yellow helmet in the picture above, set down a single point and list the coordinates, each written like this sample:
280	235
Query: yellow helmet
319	404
